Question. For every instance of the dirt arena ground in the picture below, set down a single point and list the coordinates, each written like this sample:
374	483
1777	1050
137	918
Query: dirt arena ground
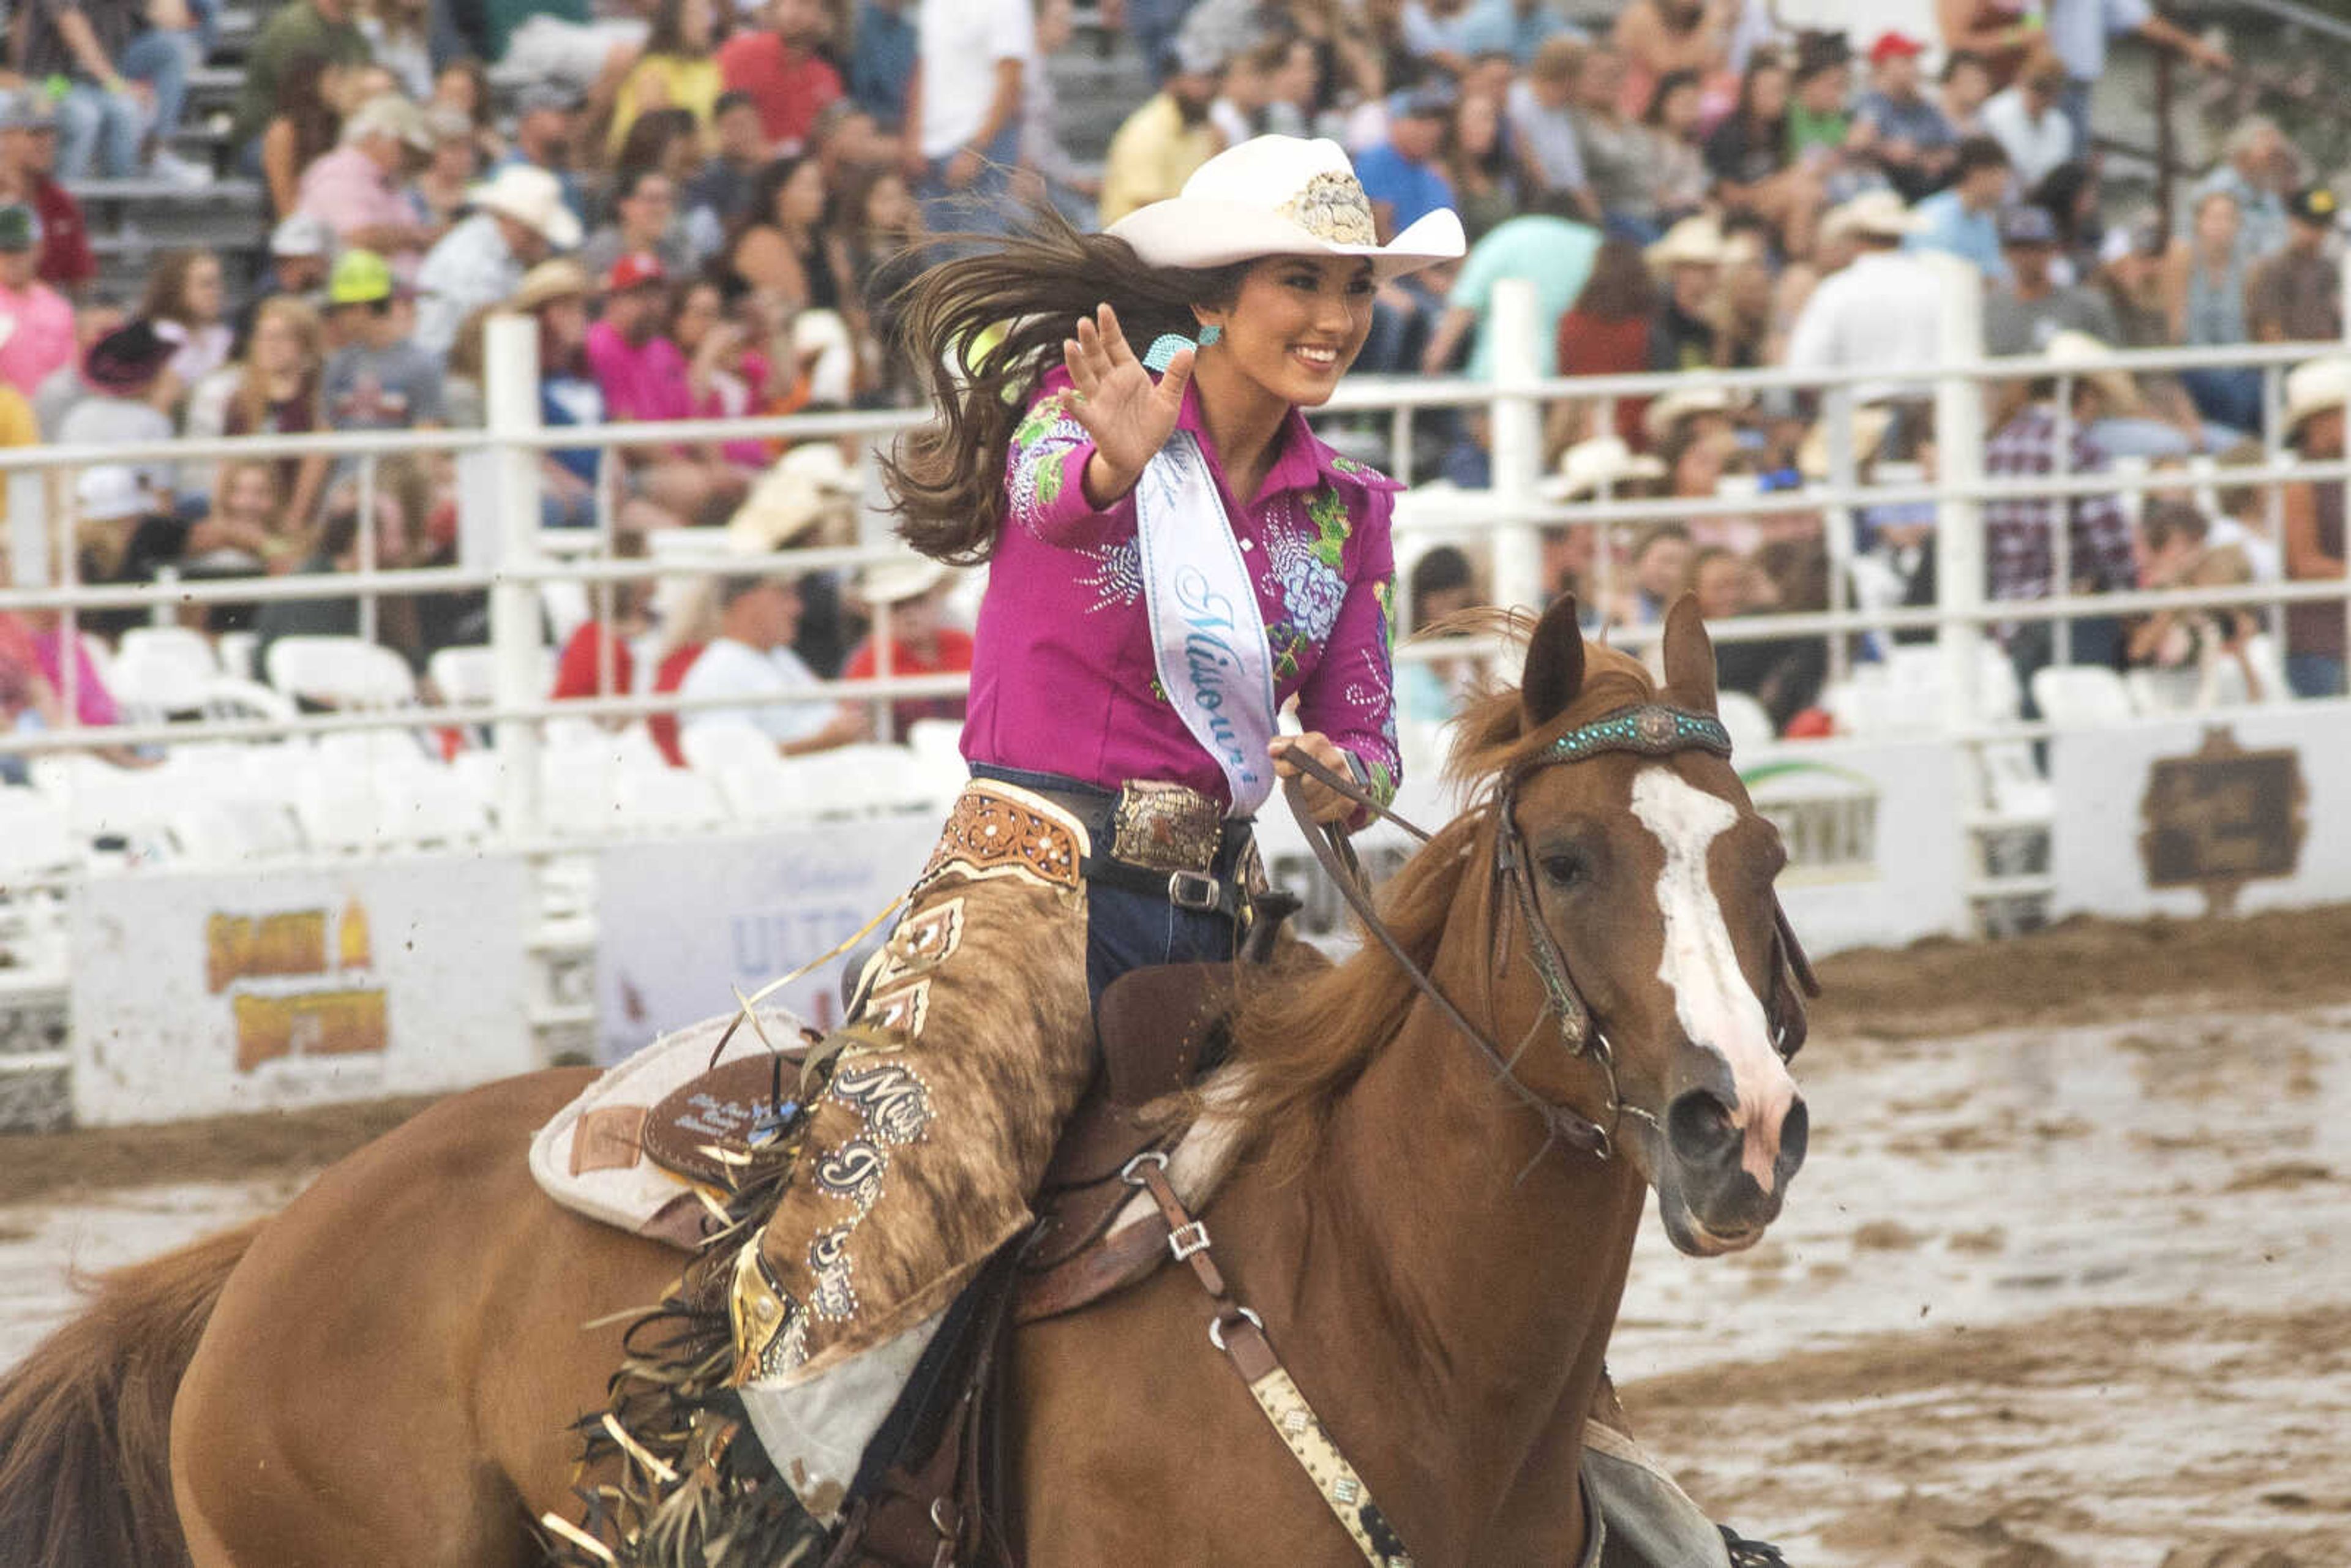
2065	1284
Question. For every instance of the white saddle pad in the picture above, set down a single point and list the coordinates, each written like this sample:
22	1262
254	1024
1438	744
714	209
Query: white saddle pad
587	1157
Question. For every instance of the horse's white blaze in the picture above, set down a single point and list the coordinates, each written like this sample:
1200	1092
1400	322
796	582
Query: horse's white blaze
1719	1010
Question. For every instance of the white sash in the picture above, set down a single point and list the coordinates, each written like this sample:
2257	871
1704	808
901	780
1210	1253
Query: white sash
1207	634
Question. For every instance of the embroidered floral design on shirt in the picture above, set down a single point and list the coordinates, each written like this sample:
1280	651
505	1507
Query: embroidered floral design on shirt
1041	449
1289	645
1117	575
1307	568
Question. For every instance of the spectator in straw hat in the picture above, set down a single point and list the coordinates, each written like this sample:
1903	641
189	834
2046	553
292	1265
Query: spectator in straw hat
40	324
906	599
556	294
1882	312
518	218
2316	393
1683	336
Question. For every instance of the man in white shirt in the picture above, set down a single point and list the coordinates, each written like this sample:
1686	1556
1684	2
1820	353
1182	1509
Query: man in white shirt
751	659
1882	312
965	122
2029	120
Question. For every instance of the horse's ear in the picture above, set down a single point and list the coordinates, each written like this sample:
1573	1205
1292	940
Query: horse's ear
1689	654
1554	670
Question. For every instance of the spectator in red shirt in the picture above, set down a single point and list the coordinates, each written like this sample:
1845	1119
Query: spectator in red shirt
29	157
777	66
1606	331
906	599
598	660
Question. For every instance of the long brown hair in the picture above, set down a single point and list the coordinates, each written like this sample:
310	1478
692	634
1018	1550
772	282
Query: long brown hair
947	479
249	404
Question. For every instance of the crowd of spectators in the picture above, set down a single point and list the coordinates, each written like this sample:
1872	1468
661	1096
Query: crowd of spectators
705	209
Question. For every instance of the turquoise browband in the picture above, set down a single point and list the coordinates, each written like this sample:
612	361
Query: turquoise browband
1650	730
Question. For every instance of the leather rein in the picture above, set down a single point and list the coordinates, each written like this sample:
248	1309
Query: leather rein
1647	729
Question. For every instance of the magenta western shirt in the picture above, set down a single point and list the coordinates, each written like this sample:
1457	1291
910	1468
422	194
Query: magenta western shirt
1063	680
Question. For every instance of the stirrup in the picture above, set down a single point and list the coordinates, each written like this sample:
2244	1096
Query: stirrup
1746	1553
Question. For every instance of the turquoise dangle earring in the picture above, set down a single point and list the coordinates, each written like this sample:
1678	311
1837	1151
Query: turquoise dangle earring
1164	346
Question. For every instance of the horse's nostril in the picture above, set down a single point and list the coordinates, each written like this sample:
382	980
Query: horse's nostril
1699	1128
1795	1132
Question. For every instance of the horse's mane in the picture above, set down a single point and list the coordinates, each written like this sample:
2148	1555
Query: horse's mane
1300	1043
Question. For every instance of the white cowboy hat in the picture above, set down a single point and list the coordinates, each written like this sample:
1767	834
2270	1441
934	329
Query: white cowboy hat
1280	195
110	493
2314	386
1657	421
1870	424
1696	242
1878	212
895	581
807	484
1588	466
2073	348
531	196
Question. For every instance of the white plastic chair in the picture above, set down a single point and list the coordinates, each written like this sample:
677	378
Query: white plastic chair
35	838
666	797
340	672
237	651
337	804
231	697
1745	718
181	645
2076	697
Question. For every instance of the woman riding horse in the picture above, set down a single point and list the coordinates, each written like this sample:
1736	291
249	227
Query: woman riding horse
1174	555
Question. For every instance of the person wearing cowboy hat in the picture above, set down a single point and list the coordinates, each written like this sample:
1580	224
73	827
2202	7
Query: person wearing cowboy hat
518	218
1881	311
906	599
1689	259
1172	553
2316	393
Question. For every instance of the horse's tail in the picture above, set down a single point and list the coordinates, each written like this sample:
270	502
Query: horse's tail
86	1419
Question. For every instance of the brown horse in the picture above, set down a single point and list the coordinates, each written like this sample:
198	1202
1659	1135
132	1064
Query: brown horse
386	1371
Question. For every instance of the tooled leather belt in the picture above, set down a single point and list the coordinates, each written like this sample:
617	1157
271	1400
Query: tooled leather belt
1163	841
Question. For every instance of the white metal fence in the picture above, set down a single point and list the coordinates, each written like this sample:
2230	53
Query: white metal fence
507	554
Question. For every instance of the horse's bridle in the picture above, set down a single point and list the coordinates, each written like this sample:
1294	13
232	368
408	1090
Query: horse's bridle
1646	730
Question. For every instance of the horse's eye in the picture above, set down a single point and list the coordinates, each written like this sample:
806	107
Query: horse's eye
1566	870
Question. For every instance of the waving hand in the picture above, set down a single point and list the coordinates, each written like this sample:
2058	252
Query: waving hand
1128	416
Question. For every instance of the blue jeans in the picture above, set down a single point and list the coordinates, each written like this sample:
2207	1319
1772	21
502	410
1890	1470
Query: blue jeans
982	207
99	127
1153	25
2314	674
2231	397
1126	930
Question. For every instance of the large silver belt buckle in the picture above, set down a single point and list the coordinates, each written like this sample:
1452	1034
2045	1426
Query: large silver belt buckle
1165	827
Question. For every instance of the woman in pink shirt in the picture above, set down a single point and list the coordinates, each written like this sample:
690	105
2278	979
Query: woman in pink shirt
1173	554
